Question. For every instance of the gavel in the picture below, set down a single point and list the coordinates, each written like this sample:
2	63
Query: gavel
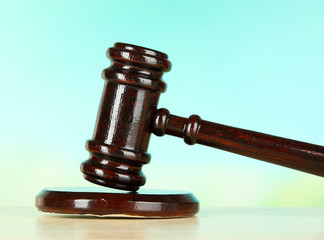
128	115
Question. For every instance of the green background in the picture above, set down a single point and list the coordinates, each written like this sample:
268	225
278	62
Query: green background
251	64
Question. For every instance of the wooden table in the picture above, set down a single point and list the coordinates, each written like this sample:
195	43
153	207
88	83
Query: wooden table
218	223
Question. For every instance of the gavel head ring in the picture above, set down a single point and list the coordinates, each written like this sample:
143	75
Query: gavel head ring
123	127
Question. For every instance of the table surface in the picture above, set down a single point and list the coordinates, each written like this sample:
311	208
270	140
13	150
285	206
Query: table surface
218	223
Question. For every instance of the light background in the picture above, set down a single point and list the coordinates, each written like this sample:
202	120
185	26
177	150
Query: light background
251	64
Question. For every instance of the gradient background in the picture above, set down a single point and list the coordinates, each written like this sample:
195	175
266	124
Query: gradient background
251	64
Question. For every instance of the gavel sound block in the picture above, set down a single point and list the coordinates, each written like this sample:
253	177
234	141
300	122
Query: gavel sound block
128	115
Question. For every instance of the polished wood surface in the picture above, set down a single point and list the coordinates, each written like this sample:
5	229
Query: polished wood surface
109	202
128	115
18	223
281	151
129	100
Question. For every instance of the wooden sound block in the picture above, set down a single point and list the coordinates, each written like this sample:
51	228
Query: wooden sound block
104	202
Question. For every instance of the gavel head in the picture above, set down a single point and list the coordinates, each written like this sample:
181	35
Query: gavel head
122	132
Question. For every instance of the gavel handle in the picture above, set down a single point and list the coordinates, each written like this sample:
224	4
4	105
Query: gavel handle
281	151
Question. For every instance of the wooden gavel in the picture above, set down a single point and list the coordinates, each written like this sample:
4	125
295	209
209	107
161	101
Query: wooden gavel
128	114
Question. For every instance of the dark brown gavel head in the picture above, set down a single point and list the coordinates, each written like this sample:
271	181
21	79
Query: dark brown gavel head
122	132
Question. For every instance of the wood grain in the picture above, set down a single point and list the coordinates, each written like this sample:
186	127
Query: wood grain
289	153
118	148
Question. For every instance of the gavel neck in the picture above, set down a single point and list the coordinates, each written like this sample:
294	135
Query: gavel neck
166	123
281	151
